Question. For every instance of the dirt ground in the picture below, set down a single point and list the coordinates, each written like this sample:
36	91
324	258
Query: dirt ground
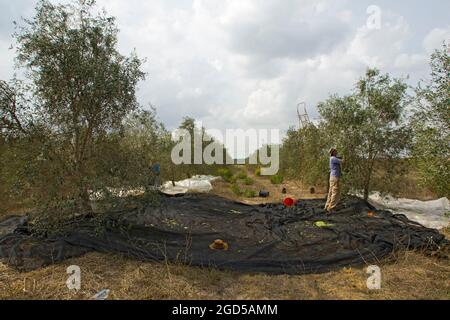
412	275
294	189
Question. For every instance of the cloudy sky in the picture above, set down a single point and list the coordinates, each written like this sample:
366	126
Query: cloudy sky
246	64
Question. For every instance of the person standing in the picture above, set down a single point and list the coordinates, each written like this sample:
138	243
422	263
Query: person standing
156	168
335	181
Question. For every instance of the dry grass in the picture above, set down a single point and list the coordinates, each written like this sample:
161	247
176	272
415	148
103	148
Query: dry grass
411	276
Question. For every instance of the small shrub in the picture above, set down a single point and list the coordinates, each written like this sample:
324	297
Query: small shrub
236	190
248	181
241	175
276	179
258	172
248	193
226	174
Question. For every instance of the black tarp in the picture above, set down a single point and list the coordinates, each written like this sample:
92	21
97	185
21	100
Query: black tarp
262	238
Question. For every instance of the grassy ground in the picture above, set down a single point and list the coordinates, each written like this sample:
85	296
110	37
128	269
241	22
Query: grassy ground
411	275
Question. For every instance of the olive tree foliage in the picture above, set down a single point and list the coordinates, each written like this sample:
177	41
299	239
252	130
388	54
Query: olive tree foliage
187	170
145	143
14	109
80	90
22	142
368	129
302	155
431	124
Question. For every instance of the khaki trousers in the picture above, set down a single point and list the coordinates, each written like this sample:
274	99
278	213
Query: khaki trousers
334	193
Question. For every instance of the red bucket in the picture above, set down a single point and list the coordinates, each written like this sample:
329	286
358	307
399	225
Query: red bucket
288	202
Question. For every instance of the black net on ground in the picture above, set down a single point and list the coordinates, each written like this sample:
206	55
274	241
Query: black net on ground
268	238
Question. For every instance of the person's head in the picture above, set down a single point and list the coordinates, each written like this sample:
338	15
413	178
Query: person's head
333	152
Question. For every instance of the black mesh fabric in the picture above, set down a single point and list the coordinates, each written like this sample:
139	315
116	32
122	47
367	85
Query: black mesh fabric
267	238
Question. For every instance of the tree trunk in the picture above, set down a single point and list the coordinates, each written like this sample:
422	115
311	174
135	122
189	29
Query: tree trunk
367	181
85	201
366	191
83	188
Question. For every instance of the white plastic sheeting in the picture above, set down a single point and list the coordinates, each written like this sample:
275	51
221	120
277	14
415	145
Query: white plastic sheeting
198	183
431	214
116	192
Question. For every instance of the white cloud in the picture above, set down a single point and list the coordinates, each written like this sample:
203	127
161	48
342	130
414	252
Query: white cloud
411	62
246	64
290	29
379	47
435	38
6	58
263	106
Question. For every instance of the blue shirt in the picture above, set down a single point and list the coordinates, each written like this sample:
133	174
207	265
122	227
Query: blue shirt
156	168
335	167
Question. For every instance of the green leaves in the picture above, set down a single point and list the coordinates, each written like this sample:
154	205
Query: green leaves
431	125
302	155
81	90
366	126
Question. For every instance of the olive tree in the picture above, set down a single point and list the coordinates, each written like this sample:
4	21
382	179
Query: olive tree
82	87
431	123
302	155
367	127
